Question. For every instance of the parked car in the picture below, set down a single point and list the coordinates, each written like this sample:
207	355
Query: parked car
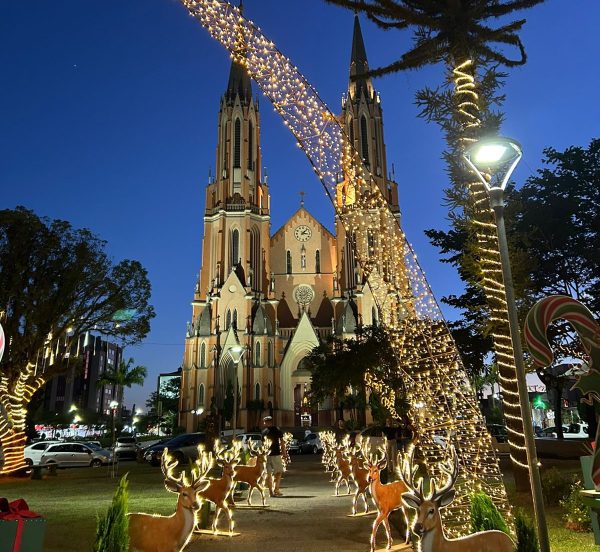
572	431
184	447
311	444
244	438
294	447
67	455
126	447
34	452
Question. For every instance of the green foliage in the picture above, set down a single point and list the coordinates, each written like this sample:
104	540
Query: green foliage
526	535
57	280
485	516
112	534
576	516
556	485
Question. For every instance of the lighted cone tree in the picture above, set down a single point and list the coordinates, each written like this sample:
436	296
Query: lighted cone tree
442	401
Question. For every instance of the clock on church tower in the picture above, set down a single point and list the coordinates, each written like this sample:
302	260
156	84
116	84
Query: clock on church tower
302	233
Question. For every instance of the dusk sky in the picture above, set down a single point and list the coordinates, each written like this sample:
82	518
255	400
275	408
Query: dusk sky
108	118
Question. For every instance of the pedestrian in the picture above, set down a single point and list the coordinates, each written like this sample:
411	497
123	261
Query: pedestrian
340	430
274	460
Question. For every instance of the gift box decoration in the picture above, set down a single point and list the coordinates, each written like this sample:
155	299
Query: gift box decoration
21	530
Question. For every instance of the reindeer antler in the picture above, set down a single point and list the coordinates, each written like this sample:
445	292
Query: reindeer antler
451	469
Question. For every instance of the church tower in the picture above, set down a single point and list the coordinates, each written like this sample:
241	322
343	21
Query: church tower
362	117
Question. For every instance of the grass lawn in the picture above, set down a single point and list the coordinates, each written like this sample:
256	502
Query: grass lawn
71	502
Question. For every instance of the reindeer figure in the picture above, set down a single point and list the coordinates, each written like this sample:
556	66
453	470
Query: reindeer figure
428	523
328	459
255	473
387	497
360	476
219	490
287	441
342	462
153	533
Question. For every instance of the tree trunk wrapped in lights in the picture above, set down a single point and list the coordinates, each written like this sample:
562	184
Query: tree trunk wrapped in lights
443	404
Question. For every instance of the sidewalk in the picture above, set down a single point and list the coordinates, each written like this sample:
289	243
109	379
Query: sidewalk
308	518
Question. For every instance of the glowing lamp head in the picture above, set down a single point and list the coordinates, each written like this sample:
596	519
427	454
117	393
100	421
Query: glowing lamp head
489	153
236	352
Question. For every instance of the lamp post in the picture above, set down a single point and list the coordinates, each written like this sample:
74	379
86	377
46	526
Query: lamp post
493	161
236	352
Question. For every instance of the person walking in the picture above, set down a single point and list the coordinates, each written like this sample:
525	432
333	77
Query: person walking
274	460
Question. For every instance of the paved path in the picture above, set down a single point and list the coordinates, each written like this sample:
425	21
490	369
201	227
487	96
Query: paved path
308	519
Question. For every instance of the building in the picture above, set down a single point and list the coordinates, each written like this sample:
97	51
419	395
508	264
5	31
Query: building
91	356
276	295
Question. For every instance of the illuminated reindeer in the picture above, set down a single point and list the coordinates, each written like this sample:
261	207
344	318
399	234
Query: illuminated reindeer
386	497
328	459
219	491
342	466
255	473
360	476
428	522
287	441
153	533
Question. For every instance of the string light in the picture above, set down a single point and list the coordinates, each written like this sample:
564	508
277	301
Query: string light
428	360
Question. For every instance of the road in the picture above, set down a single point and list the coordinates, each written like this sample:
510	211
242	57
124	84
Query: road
307	518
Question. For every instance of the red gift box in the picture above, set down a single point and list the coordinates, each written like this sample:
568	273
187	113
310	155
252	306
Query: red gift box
18	511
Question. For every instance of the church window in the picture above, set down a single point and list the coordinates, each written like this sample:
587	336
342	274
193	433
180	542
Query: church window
364	139
257	354
351	132
237	138
289	262
250	146
374	316
235	247
303	257
257	392
318	262
235	319
228	320
270	353
203	355
370	243
201	395
270	389
255	260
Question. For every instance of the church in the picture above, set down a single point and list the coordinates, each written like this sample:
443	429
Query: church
263	301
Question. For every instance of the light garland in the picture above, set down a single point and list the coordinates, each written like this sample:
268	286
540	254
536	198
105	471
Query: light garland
438	390
491	278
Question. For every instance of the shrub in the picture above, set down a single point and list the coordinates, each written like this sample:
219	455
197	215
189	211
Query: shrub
112	533
576	516
485	516
526	537
556	486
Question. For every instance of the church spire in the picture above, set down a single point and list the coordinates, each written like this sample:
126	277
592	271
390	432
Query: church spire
239	82
358	63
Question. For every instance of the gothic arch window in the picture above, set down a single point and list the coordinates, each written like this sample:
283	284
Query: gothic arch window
257	392
288	259
235	247
237	143
318	262
351	131
270	353
370	243
255	258
250	146
364	139
270	389
303	257
228	320
374	320
201	395
257	354
235	319
224	166
203	355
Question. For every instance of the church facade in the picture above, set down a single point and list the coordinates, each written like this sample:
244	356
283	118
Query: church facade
273	297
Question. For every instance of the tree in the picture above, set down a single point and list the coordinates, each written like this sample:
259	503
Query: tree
169	401
56	282
338	369
458	34
112	532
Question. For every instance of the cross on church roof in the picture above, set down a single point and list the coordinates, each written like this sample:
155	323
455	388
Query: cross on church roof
301	199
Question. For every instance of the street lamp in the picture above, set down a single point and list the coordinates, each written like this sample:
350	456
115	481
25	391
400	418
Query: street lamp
236	352
493	160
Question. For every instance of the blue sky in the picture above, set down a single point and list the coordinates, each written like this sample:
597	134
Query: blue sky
108	113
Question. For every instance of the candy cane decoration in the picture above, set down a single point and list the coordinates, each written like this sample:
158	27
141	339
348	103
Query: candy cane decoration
539	318
2	341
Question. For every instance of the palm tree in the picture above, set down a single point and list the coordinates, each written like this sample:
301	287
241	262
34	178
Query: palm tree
458	33
123	375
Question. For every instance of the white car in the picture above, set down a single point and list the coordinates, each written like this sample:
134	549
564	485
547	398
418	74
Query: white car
67	455
244	438
573	431
33	453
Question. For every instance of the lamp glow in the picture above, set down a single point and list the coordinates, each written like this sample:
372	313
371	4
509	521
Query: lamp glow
490	153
